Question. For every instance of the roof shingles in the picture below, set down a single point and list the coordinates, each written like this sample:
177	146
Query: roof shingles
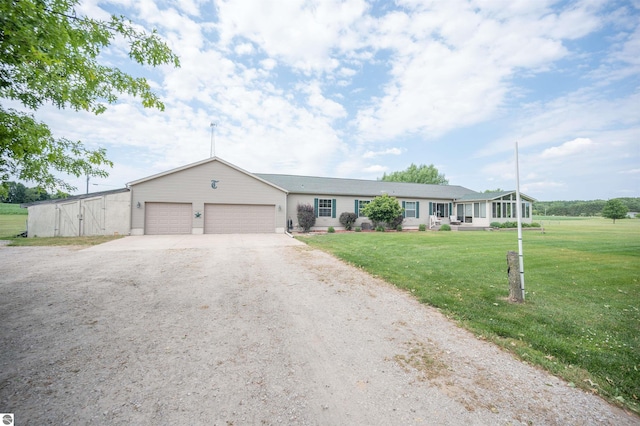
360	187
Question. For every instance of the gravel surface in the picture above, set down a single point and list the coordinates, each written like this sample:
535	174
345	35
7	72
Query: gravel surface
235	330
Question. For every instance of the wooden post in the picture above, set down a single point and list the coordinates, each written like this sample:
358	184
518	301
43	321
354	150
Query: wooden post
513	270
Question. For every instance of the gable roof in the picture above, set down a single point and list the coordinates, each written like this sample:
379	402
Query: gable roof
199	163
361	187
484	196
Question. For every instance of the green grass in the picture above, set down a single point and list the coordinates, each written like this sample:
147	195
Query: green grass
13	220
581	319
6	208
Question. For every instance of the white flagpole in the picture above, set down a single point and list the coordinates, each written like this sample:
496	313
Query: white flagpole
519	213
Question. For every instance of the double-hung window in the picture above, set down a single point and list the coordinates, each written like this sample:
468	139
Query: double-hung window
410	209
324	207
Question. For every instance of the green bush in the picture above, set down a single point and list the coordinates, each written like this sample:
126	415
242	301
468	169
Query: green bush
396	222
379	228
422	227
331	230
445	227
306	217
383	209
496	225
399	228
358	229
535	225
347	219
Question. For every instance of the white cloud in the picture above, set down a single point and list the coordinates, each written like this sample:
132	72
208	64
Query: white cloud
452	63
390	151
268	63
244	48
304	35
567	149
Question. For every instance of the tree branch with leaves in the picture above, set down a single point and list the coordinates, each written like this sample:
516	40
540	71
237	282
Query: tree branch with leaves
50	55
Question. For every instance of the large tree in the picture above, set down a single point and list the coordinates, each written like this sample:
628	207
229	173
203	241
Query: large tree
51	55
417	174
614	209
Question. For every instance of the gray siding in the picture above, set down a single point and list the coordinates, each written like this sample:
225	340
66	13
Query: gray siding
347	204
193	185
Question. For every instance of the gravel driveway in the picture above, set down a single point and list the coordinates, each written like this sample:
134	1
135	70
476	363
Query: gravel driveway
259	329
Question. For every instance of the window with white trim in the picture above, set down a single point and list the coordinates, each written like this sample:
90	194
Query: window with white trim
410	209
480	209
324	207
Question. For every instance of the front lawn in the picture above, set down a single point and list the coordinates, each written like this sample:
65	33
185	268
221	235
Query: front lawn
581	319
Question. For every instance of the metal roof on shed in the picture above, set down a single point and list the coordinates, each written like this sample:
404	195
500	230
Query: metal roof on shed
75	197
360	187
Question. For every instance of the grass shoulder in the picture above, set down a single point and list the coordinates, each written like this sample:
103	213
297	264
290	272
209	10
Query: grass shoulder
61	241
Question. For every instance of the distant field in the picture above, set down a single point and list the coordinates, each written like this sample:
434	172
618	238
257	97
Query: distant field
12	209
581	319
12	220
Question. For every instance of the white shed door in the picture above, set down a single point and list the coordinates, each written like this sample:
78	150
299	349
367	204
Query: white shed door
239	219
167	218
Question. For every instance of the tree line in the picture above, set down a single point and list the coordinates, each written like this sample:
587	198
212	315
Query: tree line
580	208
17	193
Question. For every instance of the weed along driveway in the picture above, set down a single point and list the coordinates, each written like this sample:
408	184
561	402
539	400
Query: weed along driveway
248	329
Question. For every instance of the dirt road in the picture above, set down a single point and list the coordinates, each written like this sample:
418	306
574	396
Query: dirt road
248	330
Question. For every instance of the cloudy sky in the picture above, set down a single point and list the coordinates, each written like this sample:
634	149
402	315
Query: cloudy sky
356	88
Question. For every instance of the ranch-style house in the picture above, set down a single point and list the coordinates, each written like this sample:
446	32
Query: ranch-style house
214	196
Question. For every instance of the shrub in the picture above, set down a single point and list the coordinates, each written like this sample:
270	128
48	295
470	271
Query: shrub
422	227
399	228
535	225
396	222
496	225
445	227
347	219
306	217
331	230
383	209
379	228
358	229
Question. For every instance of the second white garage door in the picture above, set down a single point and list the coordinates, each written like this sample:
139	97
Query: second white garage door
239	219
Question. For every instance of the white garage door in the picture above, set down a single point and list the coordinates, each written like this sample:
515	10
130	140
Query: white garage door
167	218
239	219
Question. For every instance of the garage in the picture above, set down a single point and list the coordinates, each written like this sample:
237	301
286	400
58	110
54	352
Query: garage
239	219
167	218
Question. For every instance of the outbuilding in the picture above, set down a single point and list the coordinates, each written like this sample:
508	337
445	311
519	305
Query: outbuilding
98	213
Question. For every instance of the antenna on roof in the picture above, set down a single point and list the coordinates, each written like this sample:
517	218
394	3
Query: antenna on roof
213	140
